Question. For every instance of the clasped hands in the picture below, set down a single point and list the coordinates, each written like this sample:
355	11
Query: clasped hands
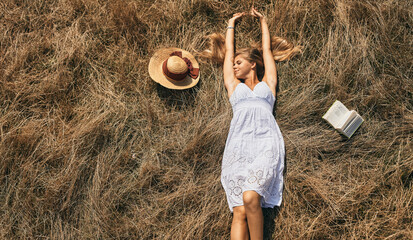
253	12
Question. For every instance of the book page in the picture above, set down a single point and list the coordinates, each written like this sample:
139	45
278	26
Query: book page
353	126
337	114
347	119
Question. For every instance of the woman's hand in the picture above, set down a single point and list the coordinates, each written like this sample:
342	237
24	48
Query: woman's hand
235	18
256	14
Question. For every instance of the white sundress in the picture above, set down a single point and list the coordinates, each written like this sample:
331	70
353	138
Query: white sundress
254	151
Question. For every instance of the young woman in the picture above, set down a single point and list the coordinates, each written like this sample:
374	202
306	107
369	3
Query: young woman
253	160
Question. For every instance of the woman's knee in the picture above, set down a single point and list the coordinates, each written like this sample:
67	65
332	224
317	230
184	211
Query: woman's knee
239	213
251	199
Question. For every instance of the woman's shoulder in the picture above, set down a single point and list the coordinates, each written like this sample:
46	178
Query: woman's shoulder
231	86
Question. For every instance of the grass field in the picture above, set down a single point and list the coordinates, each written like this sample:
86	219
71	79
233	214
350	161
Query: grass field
92	148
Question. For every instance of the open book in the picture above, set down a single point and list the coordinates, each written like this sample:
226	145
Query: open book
345	121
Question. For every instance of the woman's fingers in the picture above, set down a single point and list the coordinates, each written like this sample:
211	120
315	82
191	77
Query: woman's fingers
236	16
255	13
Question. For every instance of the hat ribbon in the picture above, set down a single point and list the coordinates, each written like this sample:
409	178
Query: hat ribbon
192	72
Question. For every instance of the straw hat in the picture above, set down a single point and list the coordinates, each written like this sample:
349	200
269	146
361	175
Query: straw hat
174	68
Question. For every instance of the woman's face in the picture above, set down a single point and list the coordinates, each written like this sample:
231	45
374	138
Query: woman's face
242	67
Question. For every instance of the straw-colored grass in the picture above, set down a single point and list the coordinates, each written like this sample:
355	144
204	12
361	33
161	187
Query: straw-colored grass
92	148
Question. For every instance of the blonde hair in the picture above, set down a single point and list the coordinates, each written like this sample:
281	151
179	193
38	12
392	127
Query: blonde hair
281	49
253	55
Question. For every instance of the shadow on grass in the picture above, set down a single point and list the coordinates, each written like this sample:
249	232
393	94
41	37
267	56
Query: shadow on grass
180	99
269	221
270	214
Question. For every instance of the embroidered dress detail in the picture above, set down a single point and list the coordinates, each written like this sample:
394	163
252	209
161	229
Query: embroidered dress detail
254	151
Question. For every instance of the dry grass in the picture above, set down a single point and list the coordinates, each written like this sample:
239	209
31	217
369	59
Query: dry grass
91	148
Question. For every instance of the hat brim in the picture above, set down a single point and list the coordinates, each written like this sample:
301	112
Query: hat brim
156	73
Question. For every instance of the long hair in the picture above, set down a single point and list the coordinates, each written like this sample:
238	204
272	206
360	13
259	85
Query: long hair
281	49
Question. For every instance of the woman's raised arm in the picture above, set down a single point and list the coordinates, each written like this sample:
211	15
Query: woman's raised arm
270	74
229	77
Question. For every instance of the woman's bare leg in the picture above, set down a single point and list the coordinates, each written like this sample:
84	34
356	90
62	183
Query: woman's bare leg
255	218
239	227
